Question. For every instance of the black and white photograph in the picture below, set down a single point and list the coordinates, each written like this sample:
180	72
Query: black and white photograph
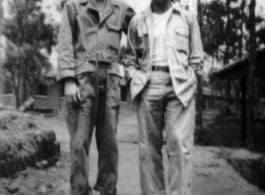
132	97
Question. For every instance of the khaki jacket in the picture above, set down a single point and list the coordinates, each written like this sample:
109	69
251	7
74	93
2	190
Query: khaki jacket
184	52
87	36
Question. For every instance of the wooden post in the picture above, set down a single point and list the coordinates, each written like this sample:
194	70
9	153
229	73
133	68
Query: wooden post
243	134
1	17
199	117
243	123
250	90
1	70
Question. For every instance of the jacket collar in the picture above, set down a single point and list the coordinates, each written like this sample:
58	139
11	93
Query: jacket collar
108	10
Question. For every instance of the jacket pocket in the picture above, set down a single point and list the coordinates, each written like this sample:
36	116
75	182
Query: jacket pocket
114	32
86	83
82	65
114	27
182	31
182	38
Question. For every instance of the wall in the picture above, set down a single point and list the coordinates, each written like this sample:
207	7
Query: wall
8	100
50	101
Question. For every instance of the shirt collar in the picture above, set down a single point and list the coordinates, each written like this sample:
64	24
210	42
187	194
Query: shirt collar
176	7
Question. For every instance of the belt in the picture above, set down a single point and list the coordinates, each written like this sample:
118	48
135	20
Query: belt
160	68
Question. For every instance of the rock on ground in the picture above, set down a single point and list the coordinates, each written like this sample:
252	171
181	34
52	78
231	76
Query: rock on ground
23	143
249	164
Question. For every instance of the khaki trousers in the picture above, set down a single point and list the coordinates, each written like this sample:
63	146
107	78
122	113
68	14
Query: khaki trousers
159	107
100	111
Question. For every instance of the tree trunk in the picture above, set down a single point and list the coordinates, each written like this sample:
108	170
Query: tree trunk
1	16
227	42
250	87
243	116
237	92
24	87
243	110
16	89
1	70
241	37
25	69
17	95
199	117
16	76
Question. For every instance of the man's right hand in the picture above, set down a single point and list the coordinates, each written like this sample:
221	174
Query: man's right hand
71	92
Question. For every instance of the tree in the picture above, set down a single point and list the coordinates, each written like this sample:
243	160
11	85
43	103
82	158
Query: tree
1	49
199	116
252	59
29	34
212	26
233	35
243	79
224	32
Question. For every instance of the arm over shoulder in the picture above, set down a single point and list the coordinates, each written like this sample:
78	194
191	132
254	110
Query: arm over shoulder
130	58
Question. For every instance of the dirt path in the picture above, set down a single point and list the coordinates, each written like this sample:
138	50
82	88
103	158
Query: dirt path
212	174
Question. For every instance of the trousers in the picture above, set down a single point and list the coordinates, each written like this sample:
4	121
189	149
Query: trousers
98	108
159	108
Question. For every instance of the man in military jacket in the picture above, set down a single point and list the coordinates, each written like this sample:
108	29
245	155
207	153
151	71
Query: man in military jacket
88	67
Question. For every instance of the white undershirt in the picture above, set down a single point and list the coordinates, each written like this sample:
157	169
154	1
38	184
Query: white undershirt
159	56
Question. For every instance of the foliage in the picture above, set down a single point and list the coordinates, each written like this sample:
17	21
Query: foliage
212	26
224	129
28	34
225	27
225	24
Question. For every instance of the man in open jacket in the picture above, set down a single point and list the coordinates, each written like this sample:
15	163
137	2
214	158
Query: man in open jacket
164	51
88	58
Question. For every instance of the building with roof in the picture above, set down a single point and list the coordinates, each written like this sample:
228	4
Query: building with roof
238	70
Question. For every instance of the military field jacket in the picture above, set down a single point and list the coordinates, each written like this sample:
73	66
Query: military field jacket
86	36
184	51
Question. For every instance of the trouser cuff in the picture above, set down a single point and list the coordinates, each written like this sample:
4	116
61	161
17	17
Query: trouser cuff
103	191
162	192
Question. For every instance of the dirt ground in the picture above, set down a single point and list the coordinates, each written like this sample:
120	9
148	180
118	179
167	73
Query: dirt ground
212	174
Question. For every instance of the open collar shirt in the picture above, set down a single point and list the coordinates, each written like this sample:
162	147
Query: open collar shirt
183	51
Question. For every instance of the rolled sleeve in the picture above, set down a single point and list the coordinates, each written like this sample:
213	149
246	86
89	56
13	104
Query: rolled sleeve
130	56
196	49
66	61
